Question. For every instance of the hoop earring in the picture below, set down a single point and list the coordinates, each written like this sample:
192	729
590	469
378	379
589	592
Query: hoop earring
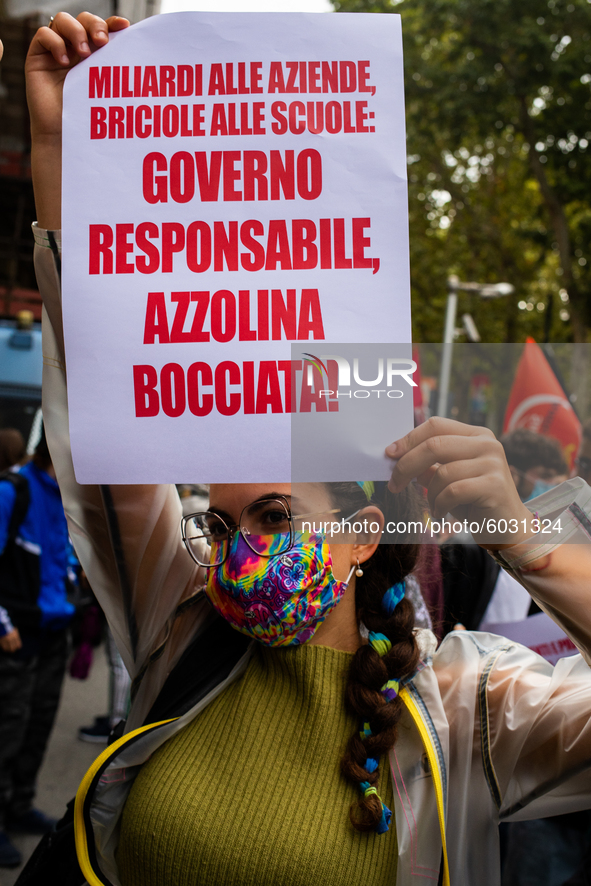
359	570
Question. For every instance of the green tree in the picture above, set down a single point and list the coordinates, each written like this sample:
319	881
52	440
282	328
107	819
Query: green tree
499	130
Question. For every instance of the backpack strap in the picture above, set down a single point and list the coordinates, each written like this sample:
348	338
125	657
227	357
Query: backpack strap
22	501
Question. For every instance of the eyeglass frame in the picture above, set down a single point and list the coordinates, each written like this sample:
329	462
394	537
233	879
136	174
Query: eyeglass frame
236	527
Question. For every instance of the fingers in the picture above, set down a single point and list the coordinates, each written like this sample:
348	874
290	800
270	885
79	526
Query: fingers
72	32
117	23
433	430
441	449
69	38
434	427
98	29
445	477
11	642
476	491
48	40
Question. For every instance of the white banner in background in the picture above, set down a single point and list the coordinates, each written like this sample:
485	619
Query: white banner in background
233	183
539	633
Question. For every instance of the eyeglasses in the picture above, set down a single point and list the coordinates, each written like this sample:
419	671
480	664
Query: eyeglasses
267	526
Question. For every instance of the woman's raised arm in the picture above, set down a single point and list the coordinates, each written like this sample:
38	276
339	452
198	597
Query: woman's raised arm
53	51
127	537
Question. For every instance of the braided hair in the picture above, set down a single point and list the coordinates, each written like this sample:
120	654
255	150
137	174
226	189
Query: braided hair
390	655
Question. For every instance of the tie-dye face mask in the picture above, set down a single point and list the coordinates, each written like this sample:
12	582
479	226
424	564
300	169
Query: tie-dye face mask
280	601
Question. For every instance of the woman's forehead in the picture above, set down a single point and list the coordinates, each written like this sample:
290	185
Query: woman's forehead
232	497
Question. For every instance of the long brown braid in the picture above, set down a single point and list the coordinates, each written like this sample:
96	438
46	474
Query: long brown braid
369	672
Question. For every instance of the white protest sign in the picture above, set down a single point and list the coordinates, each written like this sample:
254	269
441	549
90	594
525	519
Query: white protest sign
539	633
233	183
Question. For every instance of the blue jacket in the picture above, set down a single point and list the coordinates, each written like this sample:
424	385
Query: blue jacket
34	563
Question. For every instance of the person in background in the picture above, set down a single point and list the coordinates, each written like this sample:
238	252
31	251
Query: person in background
12	448
33	581
193	497
12	452
536	462
119	700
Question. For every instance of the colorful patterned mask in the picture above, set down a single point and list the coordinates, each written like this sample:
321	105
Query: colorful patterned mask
279	601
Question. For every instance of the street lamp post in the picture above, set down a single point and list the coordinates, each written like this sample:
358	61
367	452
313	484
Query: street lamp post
454	285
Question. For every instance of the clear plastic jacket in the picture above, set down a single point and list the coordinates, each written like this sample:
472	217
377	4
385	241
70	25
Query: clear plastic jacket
512	734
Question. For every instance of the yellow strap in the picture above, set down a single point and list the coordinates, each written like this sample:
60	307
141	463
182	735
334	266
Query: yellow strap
79	828
434	764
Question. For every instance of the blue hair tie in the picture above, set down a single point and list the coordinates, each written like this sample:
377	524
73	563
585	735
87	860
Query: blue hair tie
384	823
379	643
368	487
392	597
366	731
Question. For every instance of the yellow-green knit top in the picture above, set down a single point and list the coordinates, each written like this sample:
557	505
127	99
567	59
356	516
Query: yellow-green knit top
250	793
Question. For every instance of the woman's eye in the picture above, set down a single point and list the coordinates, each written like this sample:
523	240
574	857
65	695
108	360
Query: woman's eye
216	529
275	516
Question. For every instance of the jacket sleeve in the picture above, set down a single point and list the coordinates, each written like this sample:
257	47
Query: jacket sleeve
6	626
555	566
127	537
536	719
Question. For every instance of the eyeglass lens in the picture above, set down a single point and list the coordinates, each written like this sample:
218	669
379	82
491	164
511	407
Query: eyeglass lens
264	526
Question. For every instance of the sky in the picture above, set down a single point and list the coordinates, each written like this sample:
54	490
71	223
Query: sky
247	5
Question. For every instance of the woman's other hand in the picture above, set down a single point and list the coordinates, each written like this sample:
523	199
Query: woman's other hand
465	473
53	52
11	642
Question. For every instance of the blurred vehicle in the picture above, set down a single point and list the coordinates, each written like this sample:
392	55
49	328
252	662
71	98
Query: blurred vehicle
21	364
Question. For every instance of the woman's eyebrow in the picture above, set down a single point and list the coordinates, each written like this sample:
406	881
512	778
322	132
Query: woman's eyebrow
270	496
219	513
284	500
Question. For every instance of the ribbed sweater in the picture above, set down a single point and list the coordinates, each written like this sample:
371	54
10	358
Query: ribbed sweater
251	791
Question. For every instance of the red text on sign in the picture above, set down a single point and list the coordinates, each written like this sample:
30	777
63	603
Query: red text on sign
201	317
243	175
314	117
231	79
228	388
310	77
121	81
302	244
143	121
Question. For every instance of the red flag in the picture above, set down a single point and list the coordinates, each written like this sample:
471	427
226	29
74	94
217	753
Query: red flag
538	402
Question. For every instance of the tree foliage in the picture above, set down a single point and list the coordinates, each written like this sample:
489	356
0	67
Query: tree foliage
499	136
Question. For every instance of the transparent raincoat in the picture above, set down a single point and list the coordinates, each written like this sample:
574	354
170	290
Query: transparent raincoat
497	731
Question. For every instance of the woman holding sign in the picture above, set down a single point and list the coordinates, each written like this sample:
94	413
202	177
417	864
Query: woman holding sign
309	734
